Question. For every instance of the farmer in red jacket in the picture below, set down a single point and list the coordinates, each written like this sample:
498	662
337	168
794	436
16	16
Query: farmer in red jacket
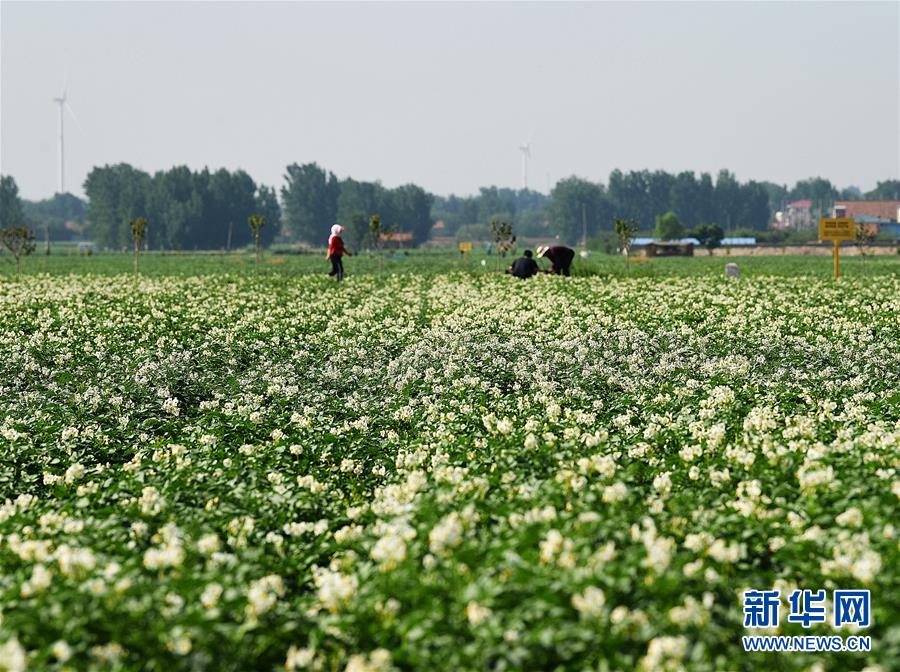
336	251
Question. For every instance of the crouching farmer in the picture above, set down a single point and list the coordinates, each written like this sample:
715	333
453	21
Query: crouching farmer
560	258
524	267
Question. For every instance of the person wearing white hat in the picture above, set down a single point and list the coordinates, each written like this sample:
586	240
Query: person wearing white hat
336	252
560	258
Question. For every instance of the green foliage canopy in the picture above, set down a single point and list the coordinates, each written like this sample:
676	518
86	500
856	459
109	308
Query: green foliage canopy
709	235
576	201
190	210
310	198
10	204
669	227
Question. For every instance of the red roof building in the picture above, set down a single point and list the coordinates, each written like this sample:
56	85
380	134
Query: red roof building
800	205
889	210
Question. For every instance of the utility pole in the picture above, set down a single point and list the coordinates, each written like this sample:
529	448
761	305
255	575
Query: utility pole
583	226
61	162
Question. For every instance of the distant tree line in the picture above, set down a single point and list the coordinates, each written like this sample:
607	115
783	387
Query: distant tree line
577	206
471	216
60	217
11	212
209	210
314	199
185	210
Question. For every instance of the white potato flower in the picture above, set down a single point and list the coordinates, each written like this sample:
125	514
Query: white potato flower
74	473
852	517
263	594
476	613
299	658
61	651
589	602
614	493
13	657
389	551
334	589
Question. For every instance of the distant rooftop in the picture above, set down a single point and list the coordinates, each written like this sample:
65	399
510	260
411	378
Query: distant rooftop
399	236
728	242
885	209
804	203
868	219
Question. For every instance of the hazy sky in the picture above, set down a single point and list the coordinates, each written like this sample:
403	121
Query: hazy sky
443	94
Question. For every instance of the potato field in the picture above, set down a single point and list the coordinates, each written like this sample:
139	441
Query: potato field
445	471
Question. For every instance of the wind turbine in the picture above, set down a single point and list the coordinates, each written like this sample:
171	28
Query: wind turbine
63	103
525	148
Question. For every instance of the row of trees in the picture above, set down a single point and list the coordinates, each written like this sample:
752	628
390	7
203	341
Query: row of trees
314	199
15	237
462	213
580	207
11	212
60	217
184	209
197	210
577	206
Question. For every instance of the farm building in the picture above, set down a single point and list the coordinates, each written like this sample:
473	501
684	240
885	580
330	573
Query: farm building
669	249
797	215
397	239
885	215
645	243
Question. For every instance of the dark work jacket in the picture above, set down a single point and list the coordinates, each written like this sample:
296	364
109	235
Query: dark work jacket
524	267
560	256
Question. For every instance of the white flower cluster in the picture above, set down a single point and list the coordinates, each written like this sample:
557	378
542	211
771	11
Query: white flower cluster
417	477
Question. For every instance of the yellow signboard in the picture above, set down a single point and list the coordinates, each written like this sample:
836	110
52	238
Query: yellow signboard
836	229
465	247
